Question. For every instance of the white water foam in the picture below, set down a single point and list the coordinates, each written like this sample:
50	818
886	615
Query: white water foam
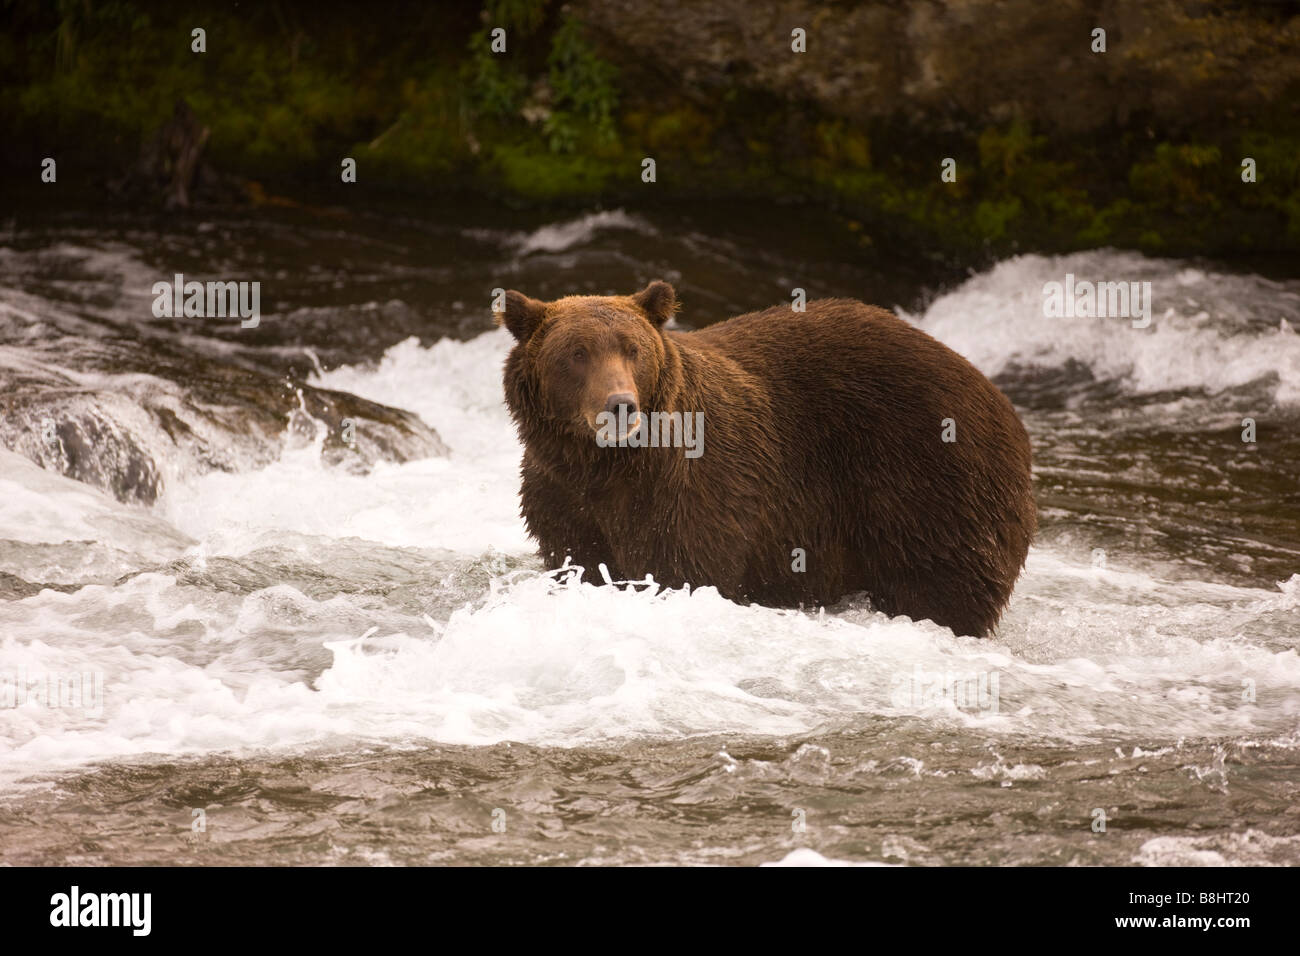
558	237
805	856
564	664
1208	330
562	236
466	502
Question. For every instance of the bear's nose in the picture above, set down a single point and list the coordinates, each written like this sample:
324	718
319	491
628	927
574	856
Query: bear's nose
621	398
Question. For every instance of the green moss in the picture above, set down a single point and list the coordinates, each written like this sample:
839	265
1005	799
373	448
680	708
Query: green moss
1151	241
1003	151
839	144
1101	230
538	173
1276	188
992	217
426	142
1179	174
524	16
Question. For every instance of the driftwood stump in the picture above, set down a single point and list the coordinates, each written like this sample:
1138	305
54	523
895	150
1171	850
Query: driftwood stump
171	164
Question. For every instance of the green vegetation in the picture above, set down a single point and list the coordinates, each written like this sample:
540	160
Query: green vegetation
423	104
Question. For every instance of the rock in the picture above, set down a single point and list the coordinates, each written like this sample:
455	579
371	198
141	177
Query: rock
972	62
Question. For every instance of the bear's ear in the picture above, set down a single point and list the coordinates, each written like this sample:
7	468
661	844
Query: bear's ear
658	301
522	315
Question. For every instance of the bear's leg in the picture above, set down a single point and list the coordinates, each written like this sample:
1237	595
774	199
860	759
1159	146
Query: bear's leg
563	527
715	552
942	595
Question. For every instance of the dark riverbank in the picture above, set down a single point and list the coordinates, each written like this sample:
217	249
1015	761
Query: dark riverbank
1057	147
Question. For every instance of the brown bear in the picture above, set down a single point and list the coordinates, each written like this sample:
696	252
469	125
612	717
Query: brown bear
843	450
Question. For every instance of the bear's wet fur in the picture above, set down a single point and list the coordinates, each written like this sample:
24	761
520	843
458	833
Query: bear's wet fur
823	431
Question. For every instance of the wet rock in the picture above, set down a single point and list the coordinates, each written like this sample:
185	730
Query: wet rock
131	417
968	62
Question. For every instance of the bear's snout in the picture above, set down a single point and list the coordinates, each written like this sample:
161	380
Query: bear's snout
626	399
624	415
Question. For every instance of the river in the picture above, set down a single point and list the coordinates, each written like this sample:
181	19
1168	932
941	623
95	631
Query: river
228	636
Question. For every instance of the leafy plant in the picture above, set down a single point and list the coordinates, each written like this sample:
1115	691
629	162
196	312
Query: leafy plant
584	91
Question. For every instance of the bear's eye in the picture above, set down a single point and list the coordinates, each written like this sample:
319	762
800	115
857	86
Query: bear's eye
579	354
632	352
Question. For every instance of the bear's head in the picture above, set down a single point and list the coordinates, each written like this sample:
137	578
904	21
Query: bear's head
580	356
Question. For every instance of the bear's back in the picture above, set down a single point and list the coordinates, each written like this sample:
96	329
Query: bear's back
841	357
896	454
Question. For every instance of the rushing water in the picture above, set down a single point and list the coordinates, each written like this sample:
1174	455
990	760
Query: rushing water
345	653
